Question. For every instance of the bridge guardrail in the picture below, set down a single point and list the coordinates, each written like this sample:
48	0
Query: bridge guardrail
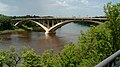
110	61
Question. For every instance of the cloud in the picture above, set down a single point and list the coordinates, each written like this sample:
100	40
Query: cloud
3	7
71	4
84	2
65	4
7	9
61	3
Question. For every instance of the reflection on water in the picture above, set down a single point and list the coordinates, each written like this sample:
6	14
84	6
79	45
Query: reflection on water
40	42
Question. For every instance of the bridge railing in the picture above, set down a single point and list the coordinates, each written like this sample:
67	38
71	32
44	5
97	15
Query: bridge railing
110	61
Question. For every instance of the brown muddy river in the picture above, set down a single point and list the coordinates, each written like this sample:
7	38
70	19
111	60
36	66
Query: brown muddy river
41	42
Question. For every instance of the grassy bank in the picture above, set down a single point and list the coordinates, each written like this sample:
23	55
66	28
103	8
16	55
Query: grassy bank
11	31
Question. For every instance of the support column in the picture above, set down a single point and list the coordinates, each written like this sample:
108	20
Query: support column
48	25
60	20
39	21
57	21
52	22
13	22
43	22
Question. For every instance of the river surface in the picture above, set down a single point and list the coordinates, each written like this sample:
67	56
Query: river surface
41	42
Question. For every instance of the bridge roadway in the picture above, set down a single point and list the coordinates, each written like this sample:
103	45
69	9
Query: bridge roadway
60	22
94	19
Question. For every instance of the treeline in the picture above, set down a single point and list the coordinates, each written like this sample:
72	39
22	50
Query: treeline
30	16
93	46
100	17
6	23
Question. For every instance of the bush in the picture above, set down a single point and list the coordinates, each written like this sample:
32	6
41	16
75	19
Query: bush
5	23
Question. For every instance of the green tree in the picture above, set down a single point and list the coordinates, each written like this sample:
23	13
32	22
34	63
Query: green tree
30	59
5	23
10	57
70	56
102	41
112	12
50	59
2	58
95	45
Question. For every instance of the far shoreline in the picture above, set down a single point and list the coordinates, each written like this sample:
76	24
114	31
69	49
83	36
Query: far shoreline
11	31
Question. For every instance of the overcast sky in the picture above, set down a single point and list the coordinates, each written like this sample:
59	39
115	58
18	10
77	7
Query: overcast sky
80	8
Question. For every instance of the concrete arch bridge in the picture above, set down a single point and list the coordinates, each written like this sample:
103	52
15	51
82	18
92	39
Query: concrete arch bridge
50	25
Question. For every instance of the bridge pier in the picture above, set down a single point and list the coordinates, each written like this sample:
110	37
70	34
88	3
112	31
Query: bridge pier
47	32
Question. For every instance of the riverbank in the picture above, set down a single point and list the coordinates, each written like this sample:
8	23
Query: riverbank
11	31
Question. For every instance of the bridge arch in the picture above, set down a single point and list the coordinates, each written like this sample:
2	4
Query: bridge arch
19	22
58	25
42	26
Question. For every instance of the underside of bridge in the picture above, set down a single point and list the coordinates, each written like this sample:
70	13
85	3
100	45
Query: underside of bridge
51	25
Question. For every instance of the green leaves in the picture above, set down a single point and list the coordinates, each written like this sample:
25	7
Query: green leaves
112	11
30	59
10	57
5	23
2	58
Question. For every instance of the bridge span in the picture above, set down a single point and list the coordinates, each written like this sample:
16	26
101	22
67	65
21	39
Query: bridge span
56	22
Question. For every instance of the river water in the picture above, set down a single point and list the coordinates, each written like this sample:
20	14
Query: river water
41	42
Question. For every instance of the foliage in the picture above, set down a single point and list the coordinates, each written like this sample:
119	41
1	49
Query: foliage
112	11
47	17
2	58
11	31
96	44
10	57
70	56
5	23
49	59
27	16
30	59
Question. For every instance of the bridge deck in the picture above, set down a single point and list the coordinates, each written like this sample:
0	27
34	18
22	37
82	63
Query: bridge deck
102	19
